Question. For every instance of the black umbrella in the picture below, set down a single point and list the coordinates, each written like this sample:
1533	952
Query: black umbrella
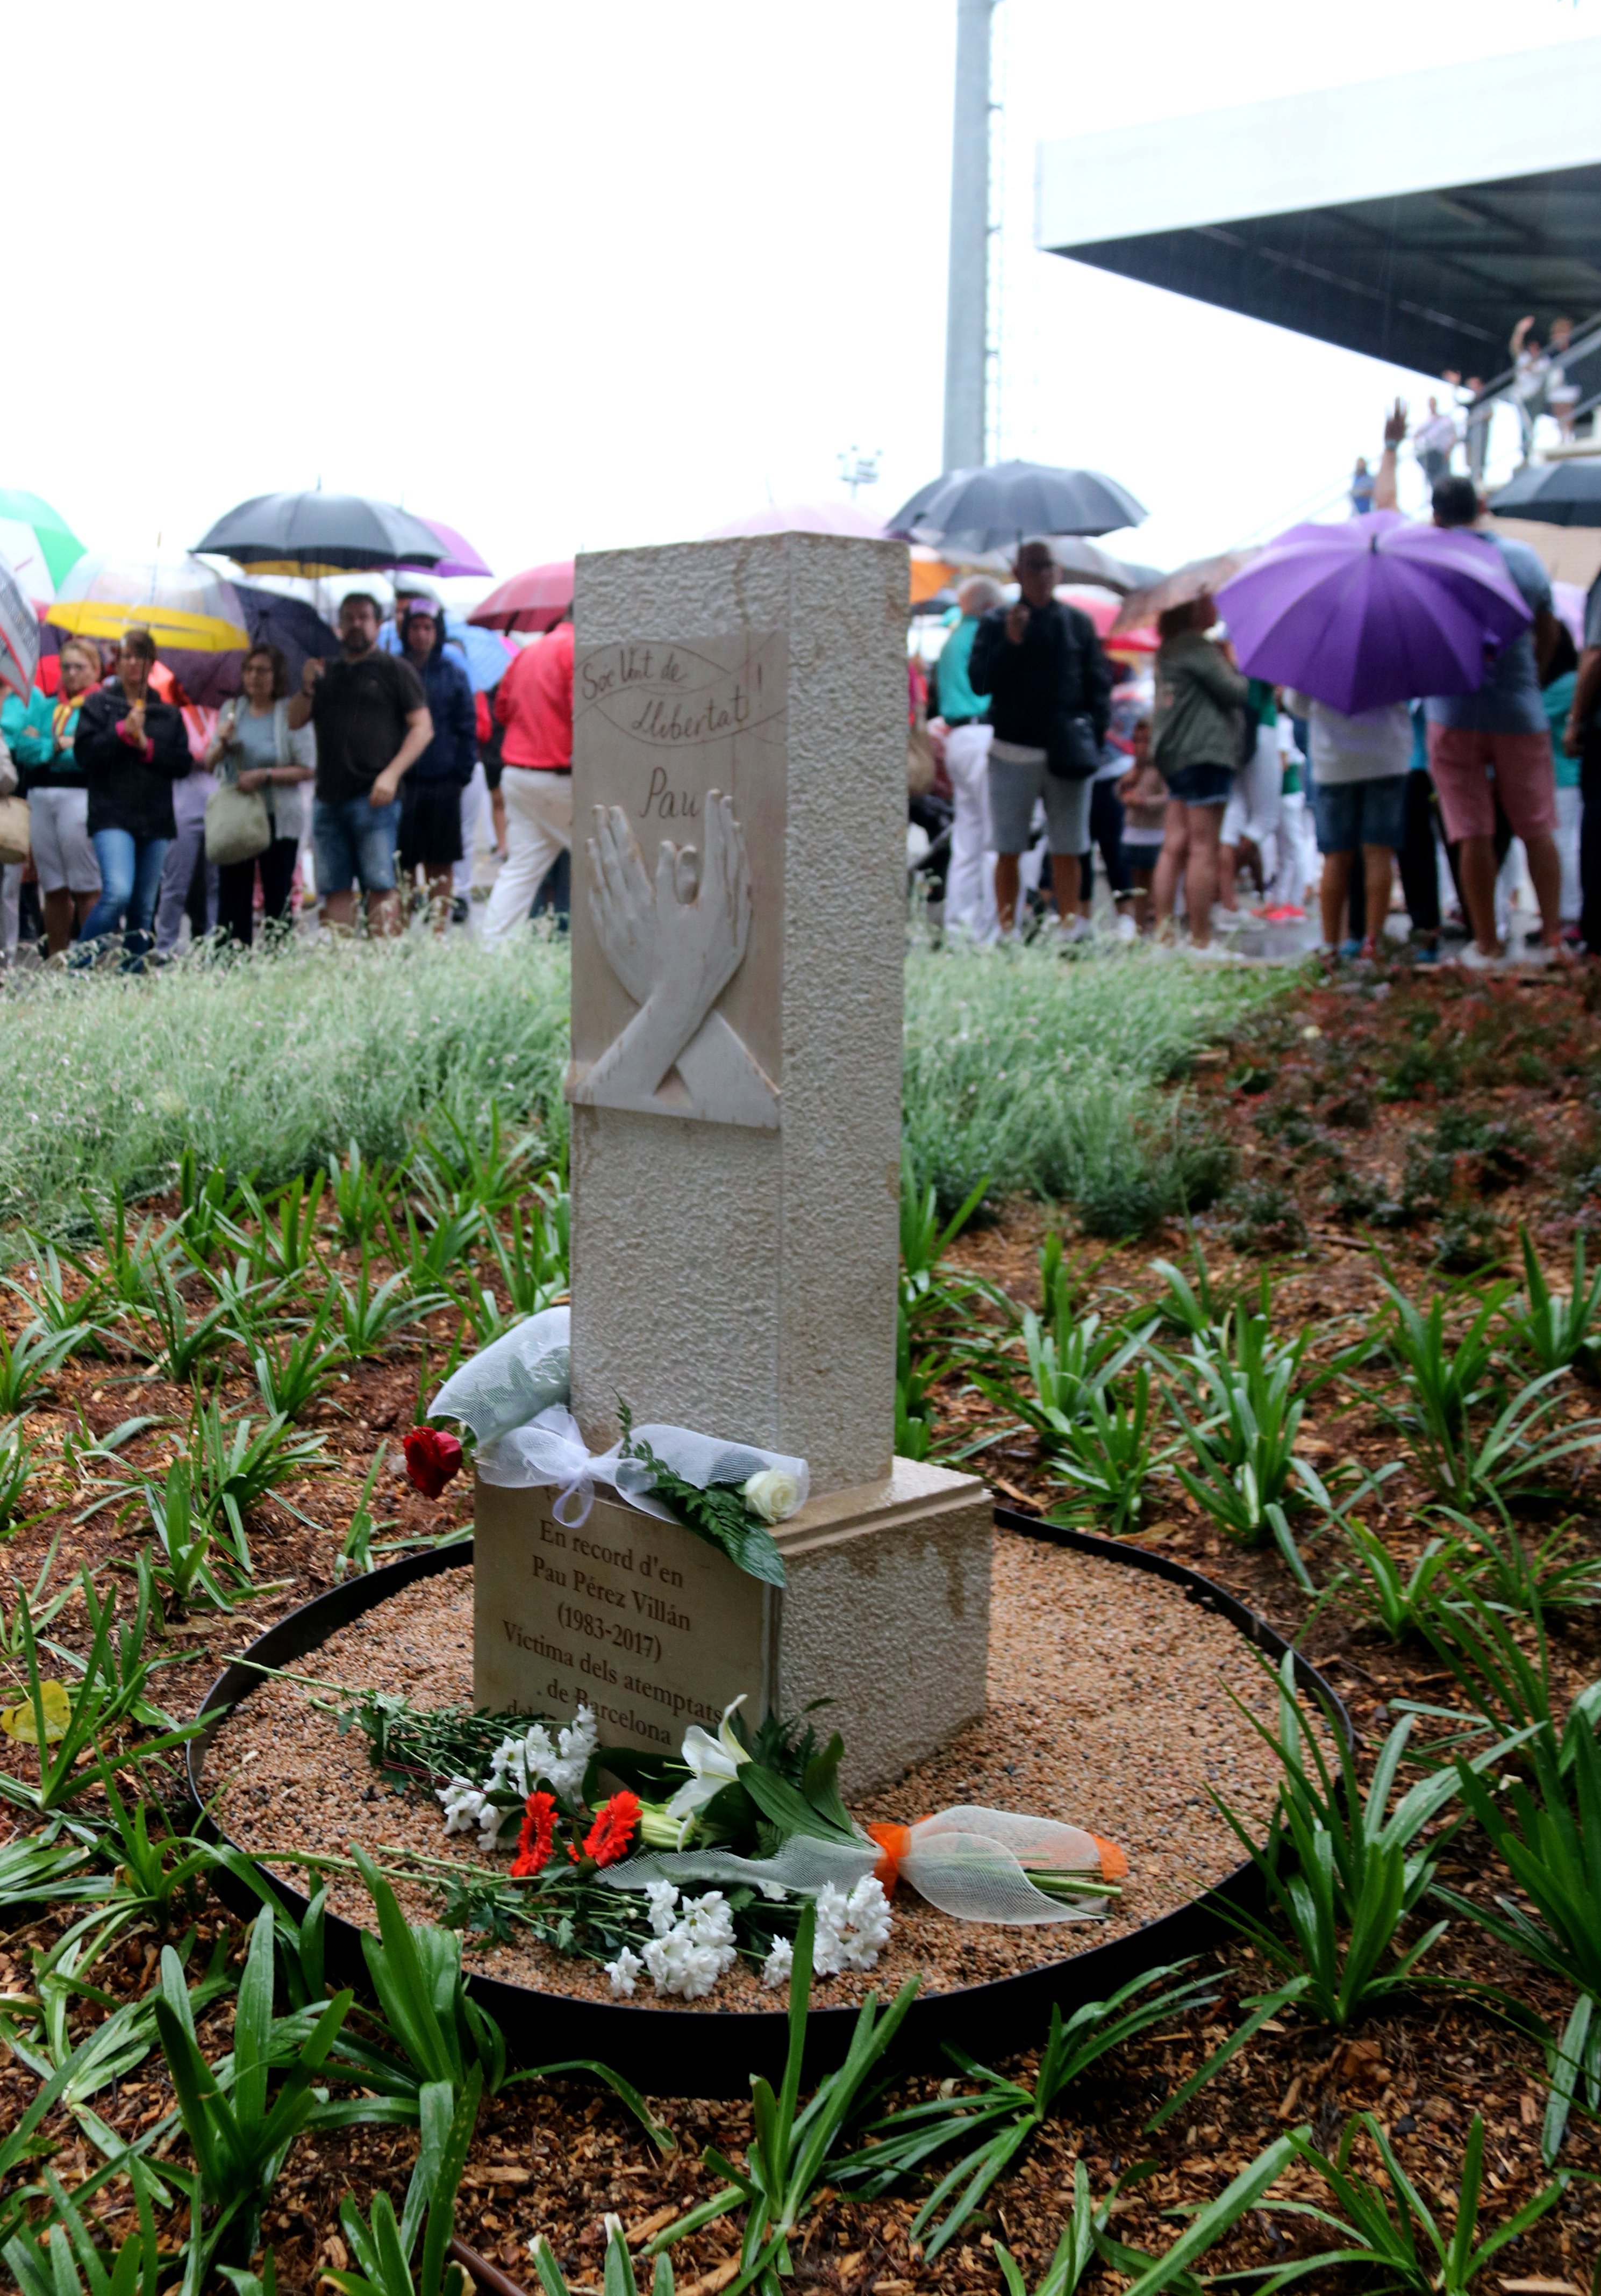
996	507
322	534
1556	493
210	679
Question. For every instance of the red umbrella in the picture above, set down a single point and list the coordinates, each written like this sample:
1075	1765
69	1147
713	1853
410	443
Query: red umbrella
534	600
1103	613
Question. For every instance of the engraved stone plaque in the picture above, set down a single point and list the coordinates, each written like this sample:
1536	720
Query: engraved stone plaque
638	1618
678	910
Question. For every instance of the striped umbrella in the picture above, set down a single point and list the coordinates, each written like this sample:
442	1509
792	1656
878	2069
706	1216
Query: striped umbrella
18	633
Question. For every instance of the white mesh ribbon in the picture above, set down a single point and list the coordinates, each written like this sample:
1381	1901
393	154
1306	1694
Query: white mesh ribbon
549	1450
516	1378
803	1868
701	1459
968	1862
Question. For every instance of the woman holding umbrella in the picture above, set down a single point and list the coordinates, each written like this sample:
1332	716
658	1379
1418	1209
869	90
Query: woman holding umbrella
42	735
131	748
430	795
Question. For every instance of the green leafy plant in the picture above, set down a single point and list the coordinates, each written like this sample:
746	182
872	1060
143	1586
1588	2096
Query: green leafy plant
1244	1440
178	1345
1401	1602
16	1461
1554	1328
428	1256
459	1166
28	1362
69	2262
1341	1870
1546	1830
359	1190
236	1463
238	2140
533	1261
294	1373
369	1317
617	2275
1391	2229
111	1691
996	2121
90	1309
1107	1457
185	1538
207	1202
382	2244
788	2158
128	1258
282	1237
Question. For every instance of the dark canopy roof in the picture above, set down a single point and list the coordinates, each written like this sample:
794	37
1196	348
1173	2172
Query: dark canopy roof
1416	218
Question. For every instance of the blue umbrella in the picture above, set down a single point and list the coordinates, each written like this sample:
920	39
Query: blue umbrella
483	654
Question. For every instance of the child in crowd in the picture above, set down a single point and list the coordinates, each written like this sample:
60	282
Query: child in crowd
1145	800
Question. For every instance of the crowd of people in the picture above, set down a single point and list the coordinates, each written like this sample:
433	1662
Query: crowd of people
142	809
1197	784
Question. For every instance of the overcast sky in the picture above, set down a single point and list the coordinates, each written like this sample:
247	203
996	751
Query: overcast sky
570	276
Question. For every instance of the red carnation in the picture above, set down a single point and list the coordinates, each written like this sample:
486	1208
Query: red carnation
616	1823
431	1460
534	1841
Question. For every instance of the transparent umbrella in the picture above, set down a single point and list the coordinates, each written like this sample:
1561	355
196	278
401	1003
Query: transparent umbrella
183	604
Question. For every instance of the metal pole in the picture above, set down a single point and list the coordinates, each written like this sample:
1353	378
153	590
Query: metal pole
967	308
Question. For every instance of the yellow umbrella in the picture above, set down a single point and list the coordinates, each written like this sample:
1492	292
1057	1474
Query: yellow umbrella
184	606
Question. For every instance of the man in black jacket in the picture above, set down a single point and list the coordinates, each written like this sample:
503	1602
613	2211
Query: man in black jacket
1042	666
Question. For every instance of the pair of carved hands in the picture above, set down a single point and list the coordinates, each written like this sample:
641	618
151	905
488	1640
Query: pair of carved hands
675	945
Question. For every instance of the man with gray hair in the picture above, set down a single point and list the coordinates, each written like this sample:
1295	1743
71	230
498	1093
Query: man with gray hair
961	716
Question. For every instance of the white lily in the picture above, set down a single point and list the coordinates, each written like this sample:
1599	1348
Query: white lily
715	1763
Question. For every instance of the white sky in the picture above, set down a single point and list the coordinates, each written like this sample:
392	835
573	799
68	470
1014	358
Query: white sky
574	275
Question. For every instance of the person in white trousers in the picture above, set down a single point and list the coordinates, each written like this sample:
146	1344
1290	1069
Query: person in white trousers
969	906
534	703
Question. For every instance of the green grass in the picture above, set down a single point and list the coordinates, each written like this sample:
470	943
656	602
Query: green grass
1045	1077
1041	1076
269	1064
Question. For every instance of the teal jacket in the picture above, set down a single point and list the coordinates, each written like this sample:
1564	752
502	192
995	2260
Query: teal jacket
955	698
29	730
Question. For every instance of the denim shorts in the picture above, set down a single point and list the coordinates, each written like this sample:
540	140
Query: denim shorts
1350	814
353	844
1201	785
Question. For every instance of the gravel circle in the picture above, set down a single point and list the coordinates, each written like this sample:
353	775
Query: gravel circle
1109	1707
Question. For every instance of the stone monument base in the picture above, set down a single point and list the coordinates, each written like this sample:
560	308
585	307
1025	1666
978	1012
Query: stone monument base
886	1615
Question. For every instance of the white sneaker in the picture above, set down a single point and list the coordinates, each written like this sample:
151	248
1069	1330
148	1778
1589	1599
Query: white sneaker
1534	953
1076	928
1213	953
1472	958
1125	927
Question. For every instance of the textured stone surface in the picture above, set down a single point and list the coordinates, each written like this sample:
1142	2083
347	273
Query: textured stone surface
739	1281
887	1616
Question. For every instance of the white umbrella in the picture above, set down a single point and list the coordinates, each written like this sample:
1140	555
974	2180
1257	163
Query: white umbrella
18	633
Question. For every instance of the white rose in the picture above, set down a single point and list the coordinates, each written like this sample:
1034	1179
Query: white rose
772	1496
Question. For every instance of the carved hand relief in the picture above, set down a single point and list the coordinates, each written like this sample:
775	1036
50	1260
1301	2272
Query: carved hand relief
683	927
675	945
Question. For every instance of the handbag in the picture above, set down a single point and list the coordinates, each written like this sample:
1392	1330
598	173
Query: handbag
1072	750
13	830
238	825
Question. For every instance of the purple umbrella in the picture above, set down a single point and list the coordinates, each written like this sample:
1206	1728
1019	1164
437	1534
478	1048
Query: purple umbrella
460	557
1376	610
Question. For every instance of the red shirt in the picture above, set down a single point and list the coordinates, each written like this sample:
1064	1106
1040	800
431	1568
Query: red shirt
534	702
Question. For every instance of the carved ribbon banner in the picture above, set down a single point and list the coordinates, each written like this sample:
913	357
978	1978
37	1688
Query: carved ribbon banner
680	762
